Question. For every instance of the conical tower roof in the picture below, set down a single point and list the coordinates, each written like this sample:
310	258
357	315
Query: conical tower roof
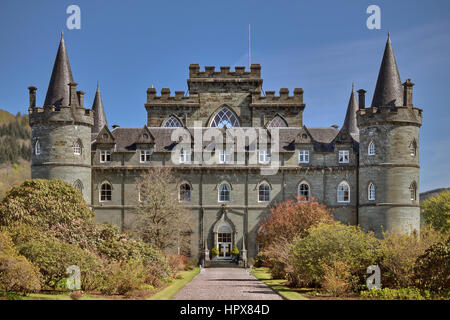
58	88
350	118
388	91
99	113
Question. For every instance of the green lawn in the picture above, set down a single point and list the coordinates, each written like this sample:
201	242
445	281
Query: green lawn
287	293
168	292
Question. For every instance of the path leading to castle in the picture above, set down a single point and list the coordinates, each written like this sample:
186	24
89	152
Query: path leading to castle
226	284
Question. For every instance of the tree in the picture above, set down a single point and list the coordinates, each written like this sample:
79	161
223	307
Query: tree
291	218
436	211
161	218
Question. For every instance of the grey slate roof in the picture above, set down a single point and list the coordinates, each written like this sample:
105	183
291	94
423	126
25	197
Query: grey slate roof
126	138
388	91
350	117
58	88
99	113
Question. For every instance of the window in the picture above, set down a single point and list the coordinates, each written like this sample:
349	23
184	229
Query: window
76	148
145	156
37	148
105	156
78	185
224	156
185	156
264	156
225	118
343	193
185	192
277	121
413	148
105	192
413	191
343	156
172	122
303	190
303	156
224	192
371	191
371	150
264	192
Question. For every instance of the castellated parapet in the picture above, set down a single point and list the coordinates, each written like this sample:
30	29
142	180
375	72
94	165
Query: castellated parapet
377	115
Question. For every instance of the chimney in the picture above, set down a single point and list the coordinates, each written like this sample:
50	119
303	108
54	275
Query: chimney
80	95
32	94
408	93
362	98
73	97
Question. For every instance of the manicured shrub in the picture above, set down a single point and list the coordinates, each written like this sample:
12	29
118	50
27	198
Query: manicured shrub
235	251
432	269
214	252
290	219
328	243
396	294
399	253
337	279
17	274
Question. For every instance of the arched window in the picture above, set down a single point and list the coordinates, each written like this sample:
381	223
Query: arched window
413	191
225	118
413	148
105	192
172	122
264	192
37	148
371	150
303	190
371	191
343	192
78	185
277	121
185	192
224	192
77	148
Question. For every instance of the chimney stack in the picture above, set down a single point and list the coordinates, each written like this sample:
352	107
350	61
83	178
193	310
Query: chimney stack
361	98
408	93
32	93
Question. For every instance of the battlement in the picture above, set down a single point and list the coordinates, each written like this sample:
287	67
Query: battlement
283	99
63	114
377	115
166	99
225	72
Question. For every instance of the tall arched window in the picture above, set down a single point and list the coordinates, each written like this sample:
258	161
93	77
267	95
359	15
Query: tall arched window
413	148
264	192
303	190
225	118
371	191
105	192
343	192
77	148
413	191
224	192
78	185
277	121
172	122
371	150
37	148
185	192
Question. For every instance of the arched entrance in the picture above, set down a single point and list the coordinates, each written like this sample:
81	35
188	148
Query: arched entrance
224	242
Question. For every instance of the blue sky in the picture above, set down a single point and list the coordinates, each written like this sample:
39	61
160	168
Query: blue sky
321	46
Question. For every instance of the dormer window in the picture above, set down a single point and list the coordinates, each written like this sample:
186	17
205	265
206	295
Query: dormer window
303	156
224	157
105	156
145	156
37	148
185	156
264	156
344	156
371	150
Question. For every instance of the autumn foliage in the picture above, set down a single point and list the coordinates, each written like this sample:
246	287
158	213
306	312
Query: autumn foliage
291	218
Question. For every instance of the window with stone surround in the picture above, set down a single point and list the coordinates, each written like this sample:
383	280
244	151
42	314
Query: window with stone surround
413	148
185	192
344	156
413	191
185	156
371	150
264	192
303	156
172	122
105	156
264	156
37	148
224	156
77	148
78	185
304	190
224	192
371	192
343	192
277	121
225	118
145	156
105	192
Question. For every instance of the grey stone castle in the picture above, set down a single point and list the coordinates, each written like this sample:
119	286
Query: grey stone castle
367	171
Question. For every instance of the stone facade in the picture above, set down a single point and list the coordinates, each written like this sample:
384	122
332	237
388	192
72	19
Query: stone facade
373	156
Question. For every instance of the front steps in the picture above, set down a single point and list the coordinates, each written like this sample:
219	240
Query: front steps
223	264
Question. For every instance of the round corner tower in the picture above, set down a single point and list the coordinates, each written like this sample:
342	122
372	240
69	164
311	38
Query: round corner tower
61	130
389	154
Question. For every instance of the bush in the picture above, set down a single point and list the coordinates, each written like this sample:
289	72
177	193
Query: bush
436	211
123	277
17	274
432	269
337	279
262	260
327	243
396	294
290	219
214	252
399	253
177	261
235	251
278	253
53	256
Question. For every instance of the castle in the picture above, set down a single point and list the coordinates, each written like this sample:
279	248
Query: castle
367	171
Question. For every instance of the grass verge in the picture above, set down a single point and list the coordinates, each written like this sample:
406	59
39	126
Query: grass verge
168	292
263	274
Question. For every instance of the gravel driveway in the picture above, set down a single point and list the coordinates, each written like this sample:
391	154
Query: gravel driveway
226	284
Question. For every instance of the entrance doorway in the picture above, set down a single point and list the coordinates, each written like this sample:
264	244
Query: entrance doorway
224	242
